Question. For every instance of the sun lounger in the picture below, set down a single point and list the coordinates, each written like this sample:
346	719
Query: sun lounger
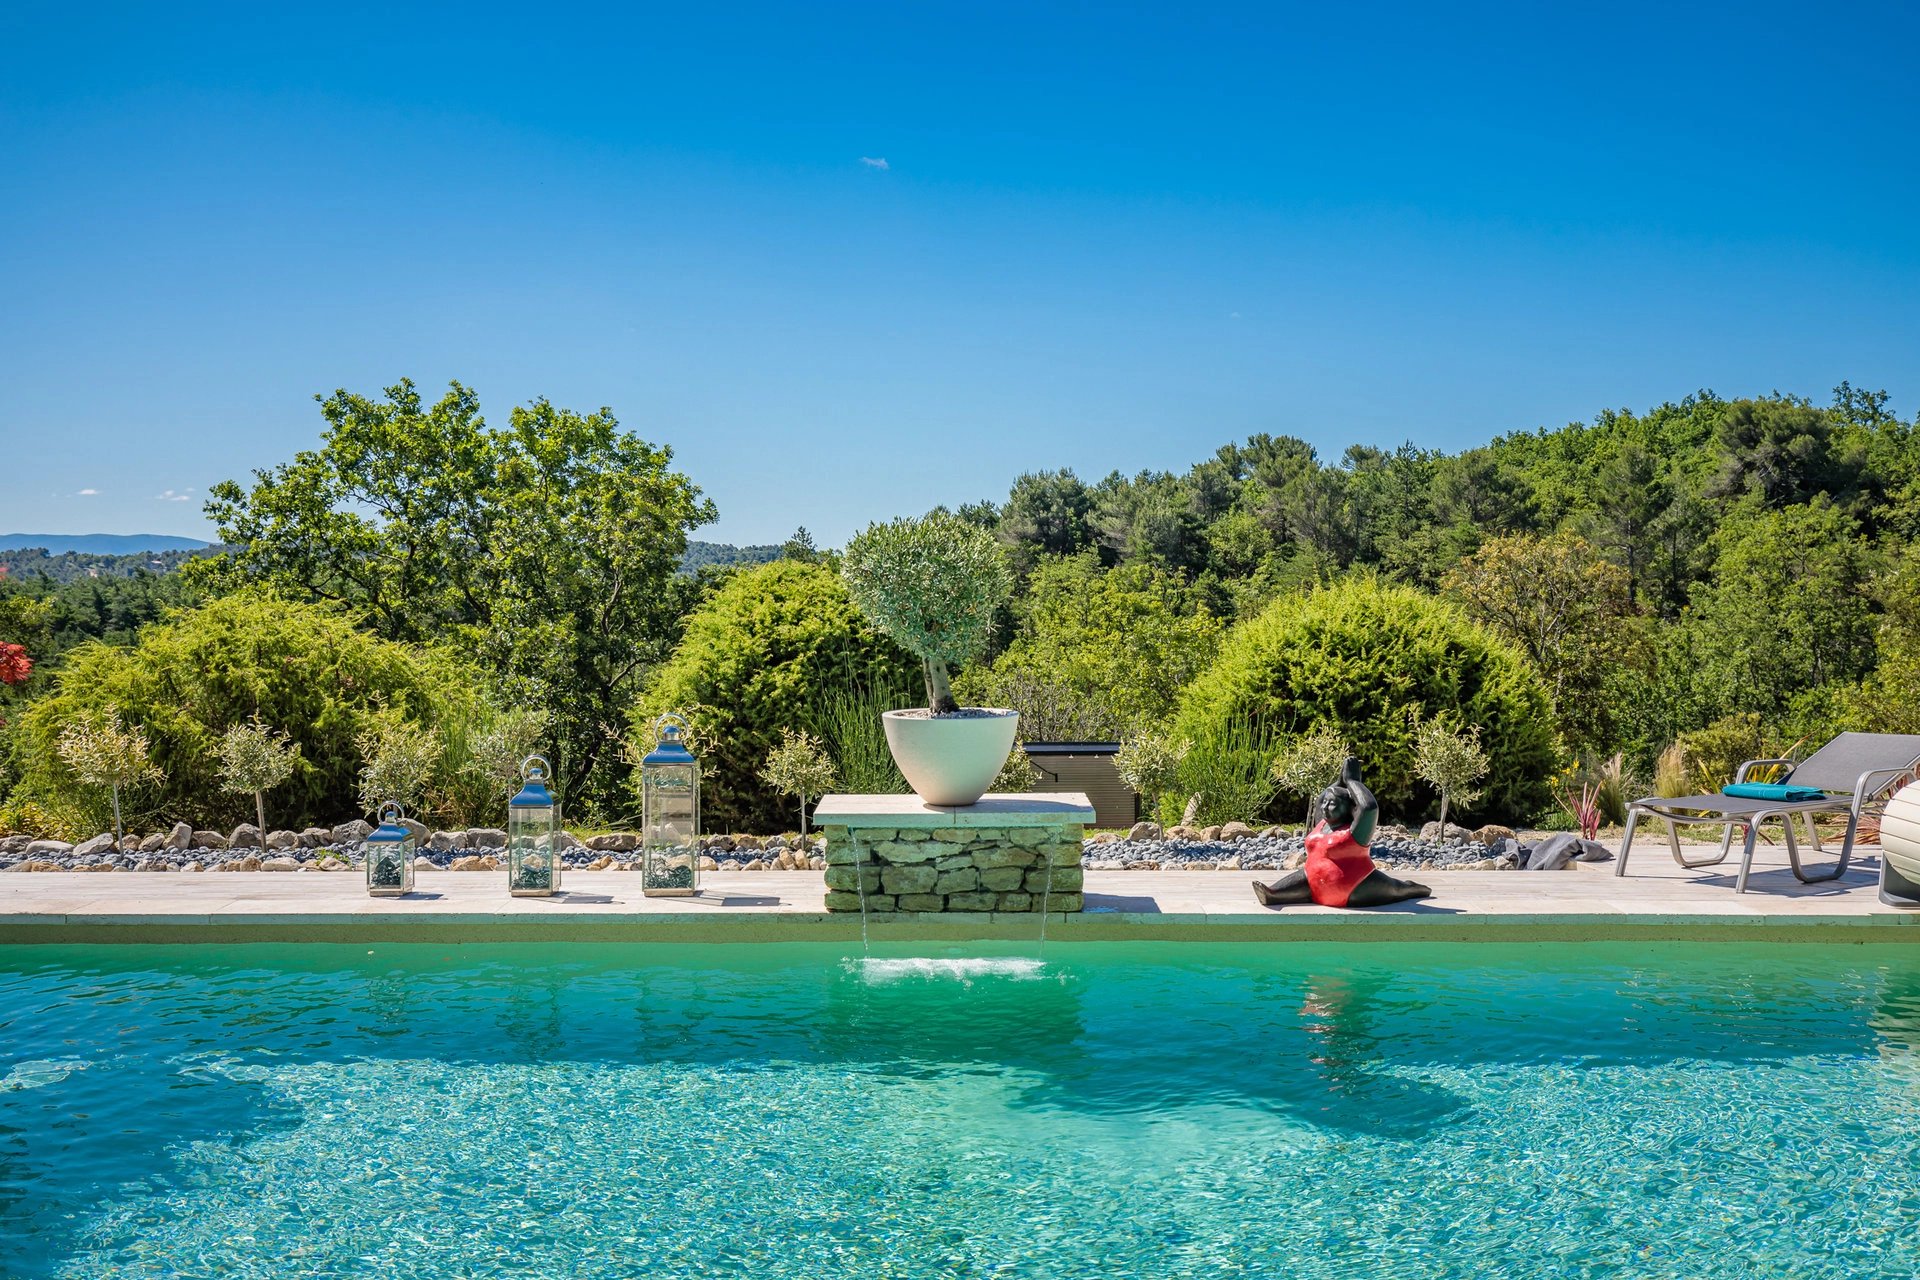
1853	772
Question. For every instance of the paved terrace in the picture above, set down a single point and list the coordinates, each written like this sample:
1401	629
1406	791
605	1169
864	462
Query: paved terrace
1657	900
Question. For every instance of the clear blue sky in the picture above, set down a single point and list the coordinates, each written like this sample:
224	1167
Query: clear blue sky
1102	238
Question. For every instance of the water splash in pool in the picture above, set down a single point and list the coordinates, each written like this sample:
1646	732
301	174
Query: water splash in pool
937	969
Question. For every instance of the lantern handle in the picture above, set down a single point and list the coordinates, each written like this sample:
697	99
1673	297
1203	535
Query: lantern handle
391	812
660	734
536	768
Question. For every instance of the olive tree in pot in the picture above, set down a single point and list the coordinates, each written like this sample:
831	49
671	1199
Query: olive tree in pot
933	584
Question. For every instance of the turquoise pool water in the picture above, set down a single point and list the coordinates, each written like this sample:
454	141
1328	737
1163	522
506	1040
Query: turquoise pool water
1143	1111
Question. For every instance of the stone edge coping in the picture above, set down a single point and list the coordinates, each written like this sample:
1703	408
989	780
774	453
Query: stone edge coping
1092	926
1035	809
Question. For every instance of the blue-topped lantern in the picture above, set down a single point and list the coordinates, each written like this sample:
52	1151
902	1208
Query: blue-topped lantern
533	834
390	852
670	814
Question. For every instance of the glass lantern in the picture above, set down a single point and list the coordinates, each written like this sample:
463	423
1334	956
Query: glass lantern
670	815
390	851
533	835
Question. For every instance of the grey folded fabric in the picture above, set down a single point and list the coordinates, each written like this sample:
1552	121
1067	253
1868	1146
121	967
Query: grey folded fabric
1556	851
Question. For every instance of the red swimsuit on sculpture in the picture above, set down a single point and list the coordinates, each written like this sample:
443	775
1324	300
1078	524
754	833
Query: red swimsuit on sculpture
1335	865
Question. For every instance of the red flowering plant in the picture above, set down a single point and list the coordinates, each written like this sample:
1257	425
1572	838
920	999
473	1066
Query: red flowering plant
15	665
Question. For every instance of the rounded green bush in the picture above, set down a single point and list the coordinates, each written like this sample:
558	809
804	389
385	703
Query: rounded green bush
761	654
303	669
1373	658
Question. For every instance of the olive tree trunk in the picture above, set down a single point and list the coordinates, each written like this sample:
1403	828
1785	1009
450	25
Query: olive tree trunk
939	688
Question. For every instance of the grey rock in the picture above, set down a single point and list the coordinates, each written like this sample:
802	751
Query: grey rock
153	843
46	848
418	830
918	878
179	839
486	838
567	842
447	841
245	836
351	832
99	846
280	864
615	842
1144	831
315	837
283	840
209	840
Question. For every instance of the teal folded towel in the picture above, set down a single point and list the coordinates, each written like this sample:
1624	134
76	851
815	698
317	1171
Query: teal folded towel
1772	791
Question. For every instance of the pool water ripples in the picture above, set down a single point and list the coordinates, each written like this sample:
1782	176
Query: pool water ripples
786	1111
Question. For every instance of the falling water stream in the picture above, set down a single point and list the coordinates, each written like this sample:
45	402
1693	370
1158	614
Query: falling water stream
860	884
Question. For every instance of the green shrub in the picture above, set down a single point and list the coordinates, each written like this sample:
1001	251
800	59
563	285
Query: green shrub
763	653
1376	659
1149	762
302	668
1712	755
1229	768
1098	653
848	720
482	749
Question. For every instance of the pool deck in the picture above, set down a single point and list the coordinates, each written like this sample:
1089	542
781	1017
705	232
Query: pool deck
1656	900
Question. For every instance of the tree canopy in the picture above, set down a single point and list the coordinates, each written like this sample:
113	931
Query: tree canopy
548	549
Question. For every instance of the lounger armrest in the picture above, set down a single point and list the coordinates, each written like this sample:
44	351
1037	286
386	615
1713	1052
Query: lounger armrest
1749	766
1871	784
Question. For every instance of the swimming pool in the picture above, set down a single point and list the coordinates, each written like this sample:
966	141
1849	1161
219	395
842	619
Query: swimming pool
1431	1110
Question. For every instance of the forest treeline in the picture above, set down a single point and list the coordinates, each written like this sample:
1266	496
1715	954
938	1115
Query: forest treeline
1729	573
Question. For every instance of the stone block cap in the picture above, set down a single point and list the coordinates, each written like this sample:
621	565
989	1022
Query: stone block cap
1030	809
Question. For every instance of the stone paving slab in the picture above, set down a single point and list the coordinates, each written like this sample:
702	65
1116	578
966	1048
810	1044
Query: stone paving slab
1657	900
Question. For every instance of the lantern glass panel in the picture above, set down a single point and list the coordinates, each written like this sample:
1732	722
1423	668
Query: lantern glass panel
533	831
671	862
389	856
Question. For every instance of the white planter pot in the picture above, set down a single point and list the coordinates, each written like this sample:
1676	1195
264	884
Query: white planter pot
951	760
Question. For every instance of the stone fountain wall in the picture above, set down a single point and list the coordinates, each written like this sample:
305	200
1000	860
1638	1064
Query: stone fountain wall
971	868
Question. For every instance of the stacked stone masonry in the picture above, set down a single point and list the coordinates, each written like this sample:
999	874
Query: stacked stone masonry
1014	868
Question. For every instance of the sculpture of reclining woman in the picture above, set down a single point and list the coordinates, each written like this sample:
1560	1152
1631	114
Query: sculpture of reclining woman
1339	872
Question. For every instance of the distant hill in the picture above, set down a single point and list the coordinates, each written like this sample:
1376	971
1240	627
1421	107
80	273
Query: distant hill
101	544
71	566
705	553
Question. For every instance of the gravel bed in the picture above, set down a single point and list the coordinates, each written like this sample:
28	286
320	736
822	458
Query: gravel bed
1274	853
1263	852
718	852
